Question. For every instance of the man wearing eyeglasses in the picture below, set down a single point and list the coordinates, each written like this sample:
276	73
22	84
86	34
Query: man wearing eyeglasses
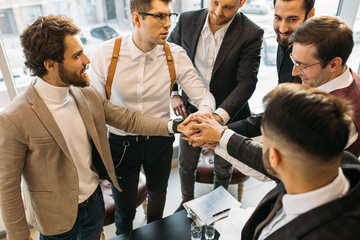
321	47
224	46
142	83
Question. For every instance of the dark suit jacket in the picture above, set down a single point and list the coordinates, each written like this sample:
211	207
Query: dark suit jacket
284	65
339	219
234	75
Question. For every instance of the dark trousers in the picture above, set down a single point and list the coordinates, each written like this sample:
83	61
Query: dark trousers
128	154
89	222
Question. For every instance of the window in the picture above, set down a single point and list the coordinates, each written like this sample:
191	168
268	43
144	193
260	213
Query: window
101	20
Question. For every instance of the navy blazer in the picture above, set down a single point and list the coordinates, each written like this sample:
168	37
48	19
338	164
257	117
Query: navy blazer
234	75
338	219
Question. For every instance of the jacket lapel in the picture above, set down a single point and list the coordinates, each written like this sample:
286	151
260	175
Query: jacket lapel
86	115
231	36
192	39
45	116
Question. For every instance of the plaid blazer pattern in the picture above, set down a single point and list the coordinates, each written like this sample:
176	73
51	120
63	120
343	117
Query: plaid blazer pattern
352	94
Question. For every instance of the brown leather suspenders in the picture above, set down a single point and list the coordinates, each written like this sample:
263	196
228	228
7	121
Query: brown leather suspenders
115	58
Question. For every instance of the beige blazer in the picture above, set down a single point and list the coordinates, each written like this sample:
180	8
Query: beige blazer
32	147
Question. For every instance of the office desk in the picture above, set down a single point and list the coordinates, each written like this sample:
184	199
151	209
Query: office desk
173	227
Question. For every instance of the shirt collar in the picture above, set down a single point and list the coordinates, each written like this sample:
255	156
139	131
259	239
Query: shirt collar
135	52
296	204
222	30
50	92
342	81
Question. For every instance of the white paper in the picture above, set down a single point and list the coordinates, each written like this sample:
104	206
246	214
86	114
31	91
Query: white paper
230	228
212	203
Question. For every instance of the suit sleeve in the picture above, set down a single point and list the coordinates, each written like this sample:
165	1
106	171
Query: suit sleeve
131	121
246	73
246	151
12	159
249	127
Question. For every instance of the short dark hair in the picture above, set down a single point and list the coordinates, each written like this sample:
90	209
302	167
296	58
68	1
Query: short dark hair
44	39
142	5
312	120
331	37
308	5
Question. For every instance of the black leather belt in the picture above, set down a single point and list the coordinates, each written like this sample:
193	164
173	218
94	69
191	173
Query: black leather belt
130	138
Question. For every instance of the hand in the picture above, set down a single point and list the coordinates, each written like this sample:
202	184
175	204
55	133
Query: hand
199	144
185	129
178	107
29	238
206	130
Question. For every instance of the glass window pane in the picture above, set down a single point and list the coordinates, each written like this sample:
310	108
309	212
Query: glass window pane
4	96
354	60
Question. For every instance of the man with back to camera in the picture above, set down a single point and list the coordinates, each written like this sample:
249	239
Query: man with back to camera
304	132
54	135
288	15
224	46
142	83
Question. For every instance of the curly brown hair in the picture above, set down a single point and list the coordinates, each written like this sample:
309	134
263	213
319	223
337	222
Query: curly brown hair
44	39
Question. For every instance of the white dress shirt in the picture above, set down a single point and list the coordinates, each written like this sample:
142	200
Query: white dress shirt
205	56
342	81
142	80
63	107
221	150
295	205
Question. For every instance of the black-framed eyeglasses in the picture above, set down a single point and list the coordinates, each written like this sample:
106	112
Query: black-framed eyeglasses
301	68
162	17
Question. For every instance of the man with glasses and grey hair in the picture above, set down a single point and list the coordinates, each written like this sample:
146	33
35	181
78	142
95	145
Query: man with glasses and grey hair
142	82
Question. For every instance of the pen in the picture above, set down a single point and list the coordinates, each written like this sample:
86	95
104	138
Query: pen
223	211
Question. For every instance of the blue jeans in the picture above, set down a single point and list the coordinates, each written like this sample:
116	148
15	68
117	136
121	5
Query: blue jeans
188	161
89	222
155	156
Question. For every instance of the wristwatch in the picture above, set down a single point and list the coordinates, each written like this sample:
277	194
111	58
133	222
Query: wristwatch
176	122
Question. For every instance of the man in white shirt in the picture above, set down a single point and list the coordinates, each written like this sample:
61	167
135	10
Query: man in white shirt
142	83
224	46
54	137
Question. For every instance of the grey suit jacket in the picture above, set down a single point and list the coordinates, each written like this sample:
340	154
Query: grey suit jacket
234	74
32	147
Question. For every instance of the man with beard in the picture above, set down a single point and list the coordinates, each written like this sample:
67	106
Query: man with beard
289	15
142	82
54	136
224	46
304	132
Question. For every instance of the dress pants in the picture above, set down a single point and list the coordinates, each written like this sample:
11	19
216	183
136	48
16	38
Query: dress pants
89	222
129	153
188	160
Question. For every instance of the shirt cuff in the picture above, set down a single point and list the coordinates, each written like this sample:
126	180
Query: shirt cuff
205	109
208	101
225	138
223	114
170	127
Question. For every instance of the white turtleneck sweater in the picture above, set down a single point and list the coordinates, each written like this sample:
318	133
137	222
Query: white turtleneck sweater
63	107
